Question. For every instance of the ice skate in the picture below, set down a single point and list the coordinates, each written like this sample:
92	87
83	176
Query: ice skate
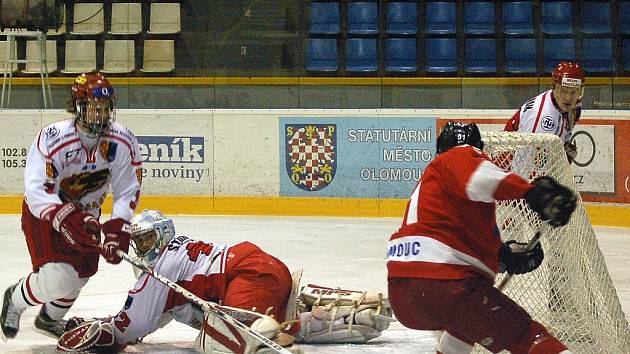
48	326
10	317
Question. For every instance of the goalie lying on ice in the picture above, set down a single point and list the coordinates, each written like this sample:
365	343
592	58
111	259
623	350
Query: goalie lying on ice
252	287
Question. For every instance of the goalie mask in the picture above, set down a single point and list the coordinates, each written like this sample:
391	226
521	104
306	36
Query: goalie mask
454	134
150	231
93	103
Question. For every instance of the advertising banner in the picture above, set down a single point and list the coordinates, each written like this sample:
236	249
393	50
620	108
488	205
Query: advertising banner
361	157
176	150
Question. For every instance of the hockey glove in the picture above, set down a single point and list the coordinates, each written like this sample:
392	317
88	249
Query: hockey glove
80	229
551	201
571	150
514	257
117	234
90	337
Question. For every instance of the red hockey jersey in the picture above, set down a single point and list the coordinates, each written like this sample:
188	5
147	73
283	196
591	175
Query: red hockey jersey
449	229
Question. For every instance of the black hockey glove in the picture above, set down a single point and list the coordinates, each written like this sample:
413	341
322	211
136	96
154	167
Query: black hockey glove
514	257
551	201
571	150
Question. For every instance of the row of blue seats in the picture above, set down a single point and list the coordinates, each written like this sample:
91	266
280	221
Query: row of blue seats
479	18
480	55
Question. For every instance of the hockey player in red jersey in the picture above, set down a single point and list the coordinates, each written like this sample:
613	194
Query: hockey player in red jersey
248	283
443	260
555	111
69	170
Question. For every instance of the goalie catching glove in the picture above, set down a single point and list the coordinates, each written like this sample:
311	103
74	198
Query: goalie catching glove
551	201
515	258
341	316
89	337
80	230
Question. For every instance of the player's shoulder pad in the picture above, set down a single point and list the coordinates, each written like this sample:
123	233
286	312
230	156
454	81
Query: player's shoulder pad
120	132
56	134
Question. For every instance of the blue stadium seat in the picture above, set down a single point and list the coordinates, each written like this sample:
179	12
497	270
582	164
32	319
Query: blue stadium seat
402	18
361	54
481	56
400	55
363	18
595	17
324	18
321	54
624	17
520	55
597	55
479	18
556	50
557	18
441	55
441	17
626	54
517	17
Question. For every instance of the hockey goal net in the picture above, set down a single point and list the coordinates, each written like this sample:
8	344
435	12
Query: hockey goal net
571	293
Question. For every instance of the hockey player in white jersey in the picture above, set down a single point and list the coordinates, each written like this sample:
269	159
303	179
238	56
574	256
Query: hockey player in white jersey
252	286
70	168
555	111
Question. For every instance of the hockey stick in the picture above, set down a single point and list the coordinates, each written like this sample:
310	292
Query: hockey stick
205	305
530	246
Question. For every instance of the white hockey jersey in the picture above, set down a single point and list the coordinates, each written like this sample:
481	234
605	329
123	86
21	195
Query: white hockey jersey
60	169
541	115
202	268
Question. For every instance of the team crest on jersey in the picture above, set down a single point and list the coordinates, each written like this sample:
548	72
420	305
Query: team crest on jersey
311	154
108	150
548	124
77	186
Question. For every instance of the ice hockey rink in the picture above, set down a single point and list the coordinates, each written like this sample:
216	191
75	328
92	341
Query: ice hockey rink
337	252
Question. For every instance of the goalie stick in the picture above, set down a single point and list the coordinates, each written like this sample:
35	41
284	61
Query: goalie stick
530	246
205	305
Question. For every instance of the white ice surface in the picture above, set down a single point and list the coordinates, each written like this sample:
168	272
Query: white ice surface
344	252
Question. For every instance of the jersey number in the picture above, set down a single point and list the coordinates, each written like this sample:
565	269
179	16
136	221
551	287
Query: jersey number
198	247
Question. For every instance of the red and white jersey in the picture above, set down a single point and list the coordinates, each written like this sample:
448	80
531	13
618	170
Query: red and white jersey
202	268
541	115
60	169
449	229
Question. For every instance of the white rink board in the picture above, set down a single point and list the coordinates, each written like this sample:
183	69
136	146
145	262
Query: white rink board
240	147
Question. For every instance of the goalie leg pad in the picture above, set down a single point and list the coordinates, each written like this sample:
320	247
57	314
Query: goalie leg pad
330	315
218	336
89	337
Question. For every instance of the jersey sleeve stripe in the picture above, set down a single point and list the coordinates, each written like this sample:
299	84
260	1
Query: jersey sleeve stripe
484	182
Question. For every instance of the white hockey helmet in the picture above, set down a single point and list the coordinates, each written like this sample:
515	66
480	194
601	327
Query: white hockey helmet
150	231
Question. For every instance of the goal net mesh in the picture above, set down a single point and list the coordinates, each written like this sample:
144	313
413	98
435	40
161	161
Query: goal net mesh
571	293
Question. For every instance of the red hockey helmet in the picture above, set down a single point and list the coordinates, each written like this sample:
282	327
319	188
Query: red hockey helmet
568	74
93	102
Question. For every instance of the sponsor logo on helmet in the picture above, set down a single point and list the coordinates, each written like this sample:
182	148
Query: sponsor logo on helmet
571	82
548	124
311	154
169	149
81	79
